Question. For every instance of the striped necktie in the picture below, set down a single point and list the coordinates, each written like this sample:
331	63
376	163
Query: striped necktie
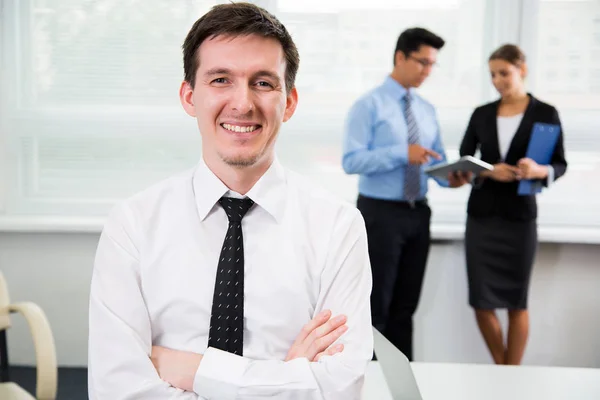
412	173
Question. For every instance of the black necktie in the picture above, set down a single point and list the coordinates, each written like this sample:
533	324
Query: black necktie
226	330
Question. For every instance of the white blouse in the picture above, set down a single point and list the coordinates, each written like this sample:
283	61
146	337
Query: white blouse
507	127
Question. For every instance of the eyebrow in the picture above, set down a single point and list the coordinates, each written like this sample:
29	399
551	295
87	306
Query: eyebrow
217	71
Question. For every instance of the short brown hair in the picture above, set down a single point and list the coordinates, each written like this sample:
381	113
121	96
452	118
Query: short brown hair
510	53
238	19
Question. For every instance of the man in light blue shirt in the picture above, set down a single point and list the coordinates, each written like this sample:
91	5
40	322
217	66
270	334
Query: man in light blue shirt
391	134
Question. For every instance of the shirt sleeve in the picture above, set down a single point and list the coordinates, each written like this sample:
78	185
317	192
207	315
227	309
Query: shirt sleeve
346	287
438	147
120	339
359	157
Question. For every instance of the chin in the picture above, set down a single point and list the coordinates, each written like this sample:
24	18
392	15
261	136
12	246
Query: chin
241	160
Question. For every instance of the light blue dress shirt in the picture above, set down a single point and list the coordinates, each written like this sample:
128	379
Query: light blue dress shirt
376	140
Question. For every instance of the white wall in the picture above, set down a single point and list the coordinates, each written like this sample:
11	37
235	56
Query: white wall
54	271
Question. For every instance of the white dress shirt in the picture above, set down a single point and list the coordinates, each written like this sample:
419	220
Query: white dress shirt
154	278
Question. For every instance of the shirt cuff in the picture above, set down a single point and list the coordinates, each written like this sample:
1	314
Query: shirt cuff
550	178
219	374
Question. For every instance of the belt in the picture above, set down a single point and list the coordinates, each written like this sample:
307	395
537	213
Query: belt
399	203
412	204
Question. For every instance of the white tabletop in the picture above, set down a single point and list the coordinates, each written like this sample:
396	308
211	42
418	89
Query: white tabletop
490	382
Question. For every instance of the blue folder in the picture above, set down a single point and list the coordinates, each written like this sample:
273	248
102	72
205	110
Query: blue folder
540	149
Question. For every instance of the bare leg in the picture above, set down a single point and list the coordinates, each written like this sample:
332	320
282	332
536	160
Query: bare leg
490	328
518	331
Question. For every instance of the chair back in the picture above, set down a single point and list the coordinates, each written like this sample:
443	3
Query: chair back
4	303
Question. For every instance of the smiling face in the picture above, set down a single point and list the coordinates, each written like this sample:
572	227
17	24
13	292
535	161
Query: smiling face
508	78
239	99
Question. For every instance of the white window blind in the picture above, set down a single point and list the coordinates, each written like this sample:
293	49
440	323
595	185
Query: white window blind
565	71
89	110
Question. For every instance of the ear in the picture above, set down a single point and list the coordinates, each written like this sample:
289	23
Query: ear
186	96
291	103
399	56
523	70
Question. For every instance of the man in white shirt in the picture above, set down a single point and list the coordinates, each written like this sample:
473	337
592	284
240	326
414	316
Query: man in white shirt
237	279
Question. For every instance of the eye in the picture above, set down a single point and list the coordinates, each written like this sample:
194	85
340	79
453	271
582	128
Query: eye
219	81
264	84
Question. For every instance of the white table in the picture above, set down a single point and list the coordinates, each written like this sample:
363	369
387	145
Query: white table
438	381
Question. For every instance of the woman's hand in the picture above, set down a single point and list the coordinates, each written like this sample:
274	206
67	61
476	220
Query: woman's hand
529	169
502	173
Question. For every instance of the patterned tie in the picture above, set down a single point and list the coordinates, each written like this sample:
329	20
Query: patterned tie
412	173
226	330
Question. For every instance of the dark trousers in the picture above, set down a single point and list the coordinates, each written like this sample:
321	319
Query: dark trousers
399	239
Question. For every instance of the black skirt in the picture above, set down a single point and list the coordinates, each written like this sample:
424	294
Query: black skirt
500	255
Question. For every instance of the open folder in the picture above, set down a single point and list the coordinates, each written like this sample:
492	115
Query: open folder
540	149
464	164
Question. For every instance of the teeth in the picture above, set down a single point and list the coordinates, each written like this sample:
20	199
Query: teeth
241	129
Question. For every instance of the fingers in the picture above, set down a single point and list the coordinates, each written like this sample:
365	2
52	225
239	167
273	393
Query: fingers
316	336
328	327
317	321
324	342
459	178
432	153
511	168
525	161
420	155
330	351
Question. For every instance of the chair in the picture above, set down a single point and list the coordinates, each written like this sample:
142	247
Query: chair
43	341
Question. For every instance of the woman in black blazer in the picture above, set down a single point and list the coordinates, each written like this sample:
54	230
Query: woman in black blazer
501	232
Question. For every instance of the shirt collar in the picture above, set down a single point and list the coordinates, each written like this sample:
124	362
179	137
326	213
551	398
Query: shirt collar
268	192
396	89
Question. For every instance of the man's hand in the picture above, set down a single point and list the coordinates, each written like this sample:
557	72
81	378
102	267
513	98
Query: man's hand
418	155
177	368
502	173
317	336
459	178
529	169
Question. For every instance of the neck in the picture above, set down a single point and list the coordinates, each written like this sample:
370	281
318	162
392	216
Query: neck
238	179
516	97
395	75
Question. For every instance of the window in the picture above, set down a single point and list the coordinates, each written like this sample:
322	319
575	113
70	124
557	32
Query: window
89	111
570	81
92	113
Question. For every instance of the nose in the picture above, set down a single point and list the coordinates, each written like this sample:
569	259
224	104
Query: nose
242	101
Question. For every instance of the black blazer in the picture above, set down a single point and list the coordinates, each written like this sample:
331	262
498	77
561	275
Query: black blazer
492	198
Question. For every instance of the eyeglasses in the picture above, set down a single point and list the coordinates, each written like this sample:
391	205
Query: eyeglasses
424	63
